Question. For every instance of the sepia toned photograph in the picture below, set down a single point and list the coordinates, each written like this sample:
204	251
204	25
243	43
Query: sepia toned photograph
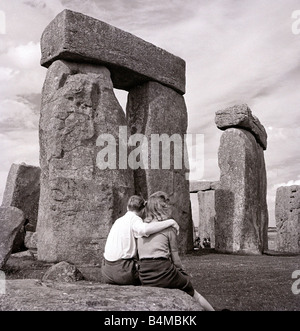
149	158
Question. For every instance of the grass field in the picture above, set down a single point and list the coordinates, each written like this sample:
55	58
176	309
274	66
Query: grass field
235	282
245	283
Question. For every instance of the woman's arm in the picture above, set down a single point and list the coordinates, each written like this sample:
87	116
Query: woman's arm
174	250
146	229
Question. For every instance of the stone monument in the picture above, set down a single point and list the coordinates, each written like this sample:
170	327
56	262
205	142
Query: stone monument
80	199
241	206
207	212
287	213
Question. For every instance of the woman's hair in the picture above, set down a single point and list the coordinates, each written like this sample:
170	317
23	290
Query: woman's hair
136	203
158	207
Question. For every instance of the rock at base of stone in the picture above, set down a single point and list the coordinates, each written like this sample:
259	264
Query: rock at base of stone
287	213
241	207
31	241
63	272
11	221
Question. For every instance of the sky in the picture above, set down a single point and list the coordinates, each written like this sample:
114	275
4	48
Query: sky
236	51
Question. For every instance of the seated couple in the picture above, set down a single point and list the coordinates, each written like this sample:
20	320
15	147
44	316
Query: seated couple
154	241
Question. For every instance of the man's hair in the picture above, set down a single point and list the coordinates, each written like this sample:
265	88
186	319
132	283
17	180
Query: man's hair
158	207
136	203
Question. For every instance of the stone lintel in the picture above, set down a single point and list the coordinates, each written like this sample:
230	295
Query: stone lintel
240	116
72	36
197	186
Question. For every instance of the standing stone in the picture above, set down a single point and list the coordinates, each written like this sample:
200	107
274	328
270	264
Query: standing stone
23	191
159	112
241	207
79	201
11	220
207	213
287	212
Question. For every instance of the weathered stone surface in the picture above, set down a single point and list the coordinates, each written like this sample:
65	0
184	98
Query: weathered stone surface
154	110
240	116
34	295
78	201
132	61
31	240
23	191
11	220
196	186
63	272
287	213
241	207
207	215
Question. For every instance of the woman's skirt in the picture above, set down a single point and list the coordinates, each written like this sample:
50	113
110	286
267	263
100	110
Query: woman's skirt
163	273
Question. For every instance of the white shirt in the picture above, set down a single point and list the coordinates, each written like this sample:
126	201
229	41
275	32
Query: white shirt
121	241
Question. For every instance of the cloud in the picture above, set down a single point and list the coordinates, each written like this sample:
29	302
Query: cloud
289	183
15	114
24	56
17	146
20	70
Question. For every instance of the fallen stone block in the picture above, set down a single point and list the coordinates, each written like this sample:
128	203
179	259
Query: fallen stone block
63	272
23	191
72	36
34	295
11	220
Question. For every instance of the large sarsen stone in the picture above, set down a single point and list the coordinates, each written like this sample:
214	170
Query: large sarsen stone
132	61
241	207
159	114
78	201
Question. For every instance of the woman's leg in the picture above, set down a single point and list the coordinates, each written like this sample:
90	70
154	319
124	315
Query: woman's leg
203	302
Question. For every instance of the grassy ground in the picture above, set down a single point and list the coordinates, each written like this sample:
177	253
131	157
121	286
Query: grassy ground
245	283
238	283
